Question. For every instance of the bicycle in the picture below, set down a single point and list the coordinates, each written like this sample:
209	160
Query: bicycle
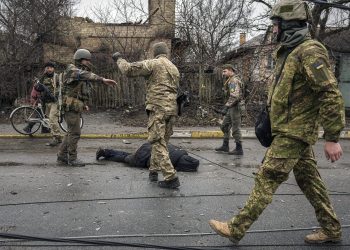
34	117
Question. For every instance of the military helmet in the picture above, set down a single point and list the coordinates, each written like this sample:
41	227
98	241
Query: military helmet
160	48
289	10
82	54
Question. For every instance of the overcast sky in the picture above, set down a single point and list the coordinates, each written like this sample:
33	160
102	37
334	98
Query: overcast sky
84	7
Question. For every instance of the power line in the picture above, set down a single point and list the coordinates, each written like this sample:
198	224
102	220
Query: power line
252	177
334	5
93	240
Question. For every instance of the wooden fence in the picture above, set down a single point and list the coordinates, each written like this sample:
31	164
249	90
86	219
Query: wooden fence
205	89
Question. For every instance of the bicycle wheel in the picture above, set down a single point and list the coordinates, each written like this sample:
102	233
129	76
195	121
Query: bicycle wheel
26	120
63	124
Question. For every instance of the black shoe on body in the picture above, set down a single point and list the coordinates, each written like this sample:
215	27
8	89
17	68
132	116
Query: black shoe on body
153	176
100	153
76	163
171	184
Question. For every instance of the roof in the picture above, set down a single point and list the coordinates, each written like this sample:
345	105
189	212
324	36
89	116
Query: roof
248	45
255	41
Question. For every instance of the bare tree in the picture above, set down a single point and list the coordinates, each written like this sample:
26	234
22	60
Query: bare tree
25	26
210	27
130	14
328	17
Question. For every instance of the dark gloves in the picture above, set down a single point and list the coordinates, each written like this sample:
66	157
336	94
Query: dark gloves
45	94
182	100
116	56
222	111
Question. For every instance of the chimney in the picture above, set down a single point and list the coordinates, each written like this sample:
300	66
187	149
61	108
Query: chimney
242	38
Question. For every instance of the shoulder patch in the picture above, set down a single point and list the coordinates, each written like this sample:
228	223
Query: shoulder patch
318	65
286	8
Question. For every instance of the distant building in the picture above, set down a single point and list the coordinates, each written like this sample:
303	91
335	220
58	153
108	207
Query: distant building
339	46
132	39
254	60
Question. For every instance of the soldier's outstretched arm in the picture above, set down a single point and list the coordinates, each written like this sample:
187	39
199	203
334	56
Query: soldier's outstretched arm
143	68
79	74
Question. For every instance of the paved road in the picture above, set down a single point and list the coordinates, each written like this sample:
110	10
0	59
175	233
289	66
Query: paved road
112	201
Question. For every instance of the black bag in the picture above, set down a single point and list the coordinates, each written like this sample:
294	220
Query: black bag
263	128
182	100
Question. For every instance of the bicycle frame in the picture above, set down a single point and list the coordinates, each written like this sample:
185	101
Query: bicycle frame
39	107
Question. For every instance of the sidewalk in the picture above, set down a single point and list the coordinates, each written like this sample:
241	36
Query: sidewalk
105	126
141	133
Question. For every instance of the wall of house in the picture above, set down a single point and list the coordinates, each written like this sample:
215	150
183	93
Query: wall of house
133	40
127	38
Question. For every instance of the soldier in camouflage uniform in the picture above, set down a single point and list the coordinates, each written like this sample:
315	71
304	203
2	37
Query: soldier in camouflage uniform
50	80
231	111
75	94
303	95
162	85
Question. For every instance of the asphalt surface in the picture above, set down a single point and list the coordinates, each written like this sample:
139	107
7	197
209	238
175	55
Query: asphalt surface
112	202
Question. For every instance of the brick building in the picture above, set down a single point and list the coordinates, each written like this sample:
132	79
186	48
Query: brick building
133	39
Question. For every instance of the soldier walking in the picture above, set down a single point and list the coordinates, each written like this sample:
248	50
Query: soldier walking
162	85
75	94
303	95
231	111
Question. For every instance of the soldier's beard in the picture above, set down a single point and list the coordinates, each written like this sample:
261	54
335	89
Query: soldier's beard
49	74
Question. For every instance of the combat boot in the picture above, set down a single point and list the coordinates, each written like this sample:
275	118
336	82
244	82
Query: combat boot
320	237
224	148
222	229
171	184
238	150
76	163
45	130
100	153
153	176
62	160
28	128
56	140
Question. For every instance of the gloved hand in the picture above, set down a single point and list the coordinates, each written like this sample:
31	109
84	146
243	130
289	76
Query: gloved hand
116	56
224	110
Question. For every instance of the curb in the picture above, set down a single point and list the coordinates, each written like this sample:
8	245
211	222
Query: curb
248	134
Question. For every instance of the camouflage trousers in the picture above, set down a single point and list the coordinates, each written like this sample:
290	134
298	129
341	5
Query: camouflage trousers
160	128
283	156
69	145
52	113
232	120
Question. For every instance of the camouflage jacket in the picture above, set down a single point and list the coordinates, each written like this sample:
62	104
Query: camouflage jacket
232	88
306	95
162	82
75	82
51	83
